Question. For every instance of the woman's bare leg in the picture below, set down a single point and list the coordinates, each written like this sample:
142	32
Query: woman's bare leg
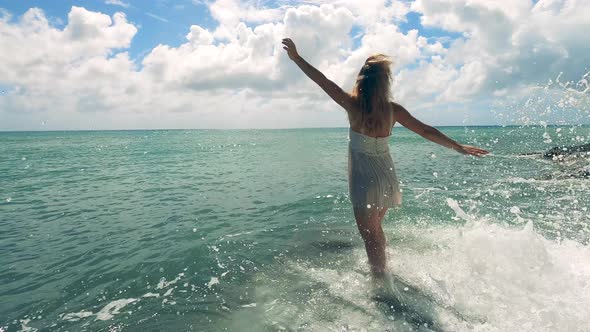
368	222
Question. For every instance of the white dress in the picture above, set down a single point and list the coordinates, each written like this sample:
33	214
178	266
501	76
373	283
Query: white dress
372	181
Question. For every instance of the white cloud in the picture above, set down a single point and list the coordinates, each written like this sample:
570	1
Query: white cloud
159	18
508	45
40	52
231	12
369	12
117	3
237	75
251	57
71	68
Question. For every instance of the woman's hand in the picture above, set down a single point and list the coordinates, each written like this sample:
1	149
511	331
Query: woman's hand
289	46
471	150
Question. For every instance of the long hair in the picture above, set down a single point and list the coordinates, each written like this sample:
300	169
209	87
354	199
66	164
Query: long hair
372	94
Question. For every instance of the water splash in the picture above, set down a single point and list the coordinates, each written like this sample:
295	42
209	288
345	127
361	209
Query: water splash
556	102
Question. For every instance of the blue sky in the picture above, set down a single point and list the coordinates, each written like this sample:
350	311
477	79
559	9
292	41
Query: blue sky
166	21
160	21
167	64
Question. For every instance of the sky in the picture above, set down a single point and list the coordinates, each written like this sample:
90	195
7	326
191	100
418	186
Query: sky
135	64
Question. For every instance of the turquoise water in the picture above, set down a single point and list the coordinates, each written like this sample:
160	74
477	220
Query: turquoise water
251	230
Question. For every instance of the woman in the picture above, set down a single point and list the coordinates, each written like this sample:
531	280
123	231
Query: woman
373	185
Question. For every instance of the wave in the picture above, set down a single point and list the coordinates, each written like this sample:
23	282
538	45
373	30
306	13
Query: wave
477	277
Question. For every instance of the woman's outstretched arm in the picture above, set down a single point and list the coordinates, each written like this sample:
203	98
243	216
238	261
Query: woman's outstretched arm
430	133
332	89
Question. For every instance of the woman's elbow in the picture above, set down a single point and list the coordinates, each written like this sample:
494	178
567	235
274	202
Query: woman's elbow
428	131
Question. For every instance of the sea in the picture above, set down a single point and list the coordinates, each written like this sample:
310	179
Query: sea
252	230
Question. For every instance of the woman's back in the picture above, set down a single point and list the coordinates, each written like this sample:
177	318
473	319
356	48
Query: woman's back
380	127
370	110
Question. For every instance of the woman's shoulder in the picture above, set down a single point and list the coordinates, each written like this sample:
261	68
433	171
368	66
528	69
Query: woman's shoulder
396	107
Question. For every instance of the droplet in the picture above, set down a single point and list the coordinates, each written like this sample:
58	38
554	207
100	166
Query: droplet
161	269
435	174
547	138
368	206
8	199
194	230
433	156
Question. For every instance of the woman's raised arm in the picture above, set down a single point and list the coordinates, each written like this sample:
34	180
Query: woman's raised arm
332	89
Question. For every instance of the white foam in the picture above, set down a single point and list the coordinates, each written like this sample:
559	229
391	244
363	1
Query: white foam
168	292
163	283
477	277
453	204
236	234
76	316
24	326
319	299
112	309
213	281
515	209
504	277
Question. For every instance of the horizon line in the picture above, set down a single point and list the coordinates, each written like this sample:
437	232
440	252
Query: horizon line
294	128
